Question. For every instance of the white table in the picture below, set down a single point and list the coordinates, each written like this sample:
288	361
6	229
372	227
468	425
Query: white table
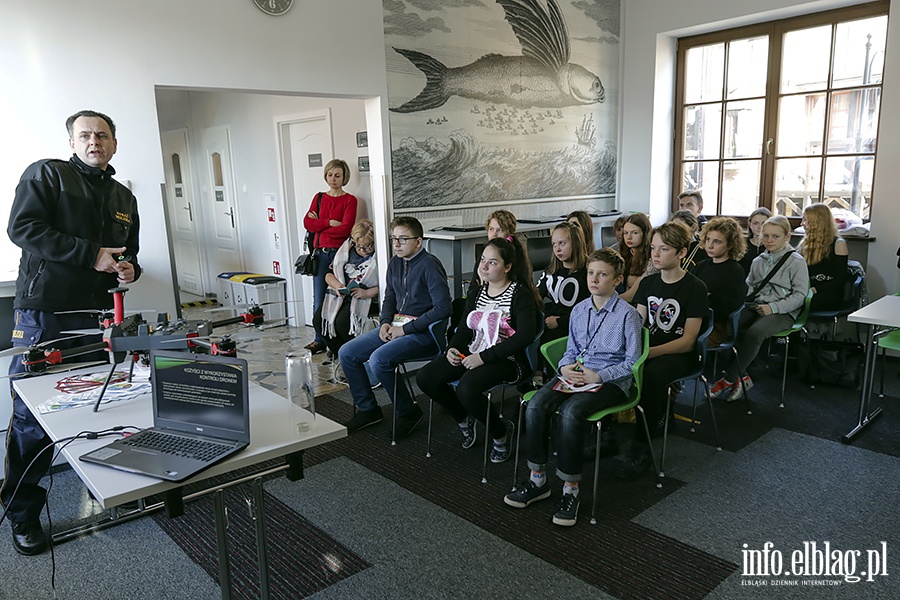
458	238
883	313
271	437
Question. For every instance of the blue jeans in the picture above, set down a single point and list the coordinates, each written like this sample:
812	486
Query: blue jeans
573	409
319	285
383	358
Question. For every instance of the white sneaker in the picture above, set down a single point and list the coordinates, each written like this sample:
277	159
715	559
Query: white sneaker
721	388
737	392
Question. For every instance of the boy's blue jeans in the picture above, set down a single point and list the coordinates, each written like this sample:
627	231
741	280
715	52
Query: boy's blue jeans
573	409
383	358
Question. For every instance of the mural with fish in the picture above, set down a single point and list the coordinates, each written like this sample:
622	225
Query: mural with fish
501	100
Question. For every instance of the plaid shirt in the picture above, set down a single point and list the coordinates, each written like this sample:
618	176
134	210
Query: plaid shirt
608	340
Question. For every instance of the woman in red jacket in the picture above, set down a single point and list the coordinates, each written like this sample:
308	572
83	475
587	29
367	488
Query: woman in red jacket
331	216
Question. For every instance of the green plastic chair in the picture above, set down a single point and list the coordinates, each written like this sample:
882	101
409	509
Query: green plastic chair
798	325
553	352
889	341
634	397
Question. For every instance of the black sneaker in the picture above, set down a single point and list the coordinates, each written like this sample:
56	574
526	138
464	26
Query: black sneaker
566	511
525	493
500	453
329	358
636	462
408	422
363	419
469	434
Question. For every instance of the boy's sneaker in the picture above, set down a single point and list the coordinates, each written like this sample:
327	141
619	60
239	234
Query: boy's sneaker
408	422
469	435
737	392
501	454
636	462
566	511
721	388
526	492
363	419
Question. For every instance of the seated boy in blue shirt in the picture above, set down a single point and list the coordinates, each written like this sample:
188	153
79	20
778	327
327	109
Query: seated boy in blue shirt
604	343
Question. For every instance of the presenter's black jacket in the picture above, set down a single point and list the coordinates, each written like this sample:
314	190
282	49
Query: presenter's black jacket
63	213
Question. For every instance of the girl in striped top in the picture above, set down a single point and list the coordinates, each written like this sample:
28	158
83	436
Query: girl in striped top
488	348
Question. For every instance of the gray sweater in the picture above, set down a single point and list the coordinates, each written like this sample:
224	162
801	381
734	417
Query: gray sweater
787	290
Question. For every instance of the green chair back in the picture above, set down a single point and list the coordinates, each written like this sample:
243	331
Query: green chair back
634	396
800	323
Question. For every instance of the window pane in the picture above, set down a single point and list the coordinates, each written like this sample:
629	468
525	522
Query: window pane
218	180
859	52
848	183
702	129
796	184
740	187
176	168
804	62
748	63
744	128
854	121
801	125
703	177
704	73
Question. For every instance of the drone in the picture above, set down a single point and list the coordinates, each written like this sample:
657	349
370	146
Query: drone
131	335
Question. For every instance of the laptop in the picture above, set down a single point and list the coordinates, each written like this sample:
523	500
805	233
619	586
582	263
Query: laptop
201	415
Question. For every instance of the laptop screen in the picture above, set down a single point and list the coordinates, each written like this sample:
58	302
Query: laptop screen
200	393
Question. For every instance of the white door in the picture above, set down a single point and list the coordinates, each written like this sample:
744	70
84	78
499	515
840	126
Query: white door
223	236
183	216
310	148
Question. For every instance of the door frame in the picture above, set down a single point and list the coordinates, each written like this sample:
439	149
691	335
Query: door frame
293	215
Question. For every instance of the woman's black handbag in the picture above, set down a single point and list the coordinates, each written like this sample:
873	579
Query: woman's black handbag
308	262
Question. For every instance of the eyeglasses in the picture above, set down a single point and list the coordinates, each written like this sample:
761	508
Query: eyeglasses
401	240
366	248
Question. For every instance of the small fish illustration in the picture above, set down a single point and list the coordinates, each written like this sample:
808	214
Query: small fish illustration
542	76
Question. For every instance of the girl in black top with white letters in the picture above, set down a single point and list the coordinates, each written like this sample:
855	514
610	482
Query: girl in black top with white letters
564	283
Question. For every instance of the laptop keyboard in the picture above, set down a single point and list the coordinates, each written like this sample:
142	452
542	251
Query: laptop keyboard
202	450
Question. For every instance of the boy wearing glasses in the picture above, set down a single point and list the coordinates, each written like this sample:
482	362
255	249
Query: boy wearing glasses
416	295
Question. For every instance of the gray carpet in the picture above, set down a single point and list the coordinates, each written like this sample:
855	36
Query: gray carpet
802	488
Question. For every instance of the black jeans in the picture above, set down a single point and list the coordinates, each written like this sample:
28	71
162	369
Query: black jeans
573	411
469	397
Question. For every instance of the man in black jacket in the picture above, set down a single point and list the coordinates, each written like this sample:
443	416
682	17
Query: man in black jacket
78	231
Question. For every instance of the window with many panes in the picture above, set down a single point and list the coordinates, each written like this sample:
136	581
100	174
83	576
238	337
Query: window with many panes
782	114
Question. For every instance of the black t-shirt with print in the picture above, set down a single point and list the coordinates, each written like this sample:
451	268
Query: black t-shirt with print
670	305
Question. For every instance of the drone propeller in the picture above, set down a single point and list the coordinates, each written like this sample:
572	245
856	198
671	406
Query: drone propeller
53	369
85	331
97	312
23	349
250	305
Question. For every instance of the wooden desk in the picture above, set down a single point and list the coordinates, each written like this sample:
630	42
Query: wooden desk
271	437
883	313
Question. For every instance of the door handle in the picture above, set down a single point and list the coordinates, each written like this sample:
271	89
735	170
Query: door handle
190	211
230	213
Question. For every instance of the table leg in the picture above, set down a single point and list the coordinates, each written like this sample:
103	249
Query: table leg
865	394
261	550
222	543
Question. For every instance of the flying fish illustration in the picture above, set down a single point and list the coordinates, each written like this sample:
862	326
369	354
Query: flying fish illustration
541	77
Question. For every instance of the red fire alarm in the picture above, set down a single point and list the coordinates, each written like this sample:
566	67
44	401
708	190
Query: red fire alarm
271	211
276	267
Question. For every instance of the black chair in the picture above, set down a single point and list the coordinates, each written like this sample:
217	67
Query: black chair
728	344
700	349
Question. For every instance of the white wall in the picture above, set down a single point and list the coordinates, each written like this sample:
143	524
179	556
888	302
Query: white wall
645	165
60	57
